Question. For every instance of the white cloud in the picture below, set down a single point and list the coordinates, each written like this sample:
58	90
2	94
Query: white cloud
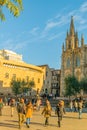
58	21
83	7
51	25
11	44
56	36
34	31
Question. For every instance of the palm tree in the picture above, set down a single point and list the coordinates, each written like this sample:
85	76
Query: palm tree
14	6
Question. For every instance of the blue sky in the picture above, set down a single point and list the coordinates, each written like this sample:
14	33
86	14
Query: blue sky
40	30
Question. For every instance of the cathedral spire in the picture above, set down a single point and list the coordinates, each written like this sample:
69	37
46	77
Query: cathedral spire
76	35
82	40
63	47
67	33
76	40
72	30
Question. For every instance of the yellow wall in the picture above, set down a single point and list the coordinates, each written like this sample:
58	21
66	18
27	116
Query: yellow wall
22	70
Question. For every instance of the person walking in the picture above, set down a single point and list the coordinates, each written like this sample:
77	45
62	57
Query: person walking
1	106
47	112
63	106
29	111
59	112
21	112
75	106
12	105
5	101
38	103
71	105
80	105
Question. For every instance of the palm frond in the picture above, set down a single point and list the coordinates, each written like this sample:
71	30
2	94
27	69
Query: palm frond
14	6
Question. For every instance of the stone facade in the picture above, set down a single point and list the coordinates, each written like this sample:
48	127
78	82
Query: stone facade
46	89
74	57
51	81
55	82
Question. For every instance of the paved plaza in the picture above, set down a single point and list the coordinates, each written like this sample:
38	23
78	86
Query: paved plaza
69	122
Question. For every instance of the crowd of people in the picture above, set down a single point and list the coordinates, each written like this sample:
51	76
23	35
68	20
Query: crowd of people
26	107
76	106
23	106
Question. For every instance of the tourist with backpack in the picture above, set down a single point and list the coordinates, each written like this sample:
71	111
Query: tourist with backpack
21	112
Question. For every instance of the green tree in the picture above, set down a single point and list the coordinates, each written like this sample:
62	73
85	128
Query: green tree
71	86
30	84
21	86
16	86
83	84
14	6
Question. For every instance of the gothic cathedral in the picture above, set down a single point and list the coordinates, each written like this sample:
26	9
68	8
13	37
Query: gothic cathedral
74	57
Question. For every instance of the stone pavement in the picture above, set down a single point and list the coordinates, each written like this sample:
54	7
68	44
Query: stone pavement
69	122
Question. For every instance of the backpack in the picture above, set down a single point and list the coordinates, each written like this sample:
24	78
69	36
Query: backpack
21	108
58	111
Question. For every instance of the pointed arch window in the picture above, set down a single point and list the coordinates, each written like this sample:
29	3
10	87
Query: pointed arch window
68	63
77	61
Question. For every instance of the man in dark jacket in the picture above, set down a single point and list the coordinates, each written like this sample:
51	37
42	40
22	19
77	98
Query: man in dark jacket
59	112
21	111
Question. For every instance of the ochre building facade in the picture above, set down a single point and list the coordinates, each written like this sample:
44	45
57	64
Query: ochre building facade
74	56
12	66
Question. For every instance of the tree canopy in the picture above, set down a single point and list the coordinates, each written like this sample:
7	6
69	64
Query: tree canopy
21	86
16	86
71	86
83	84
14	6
